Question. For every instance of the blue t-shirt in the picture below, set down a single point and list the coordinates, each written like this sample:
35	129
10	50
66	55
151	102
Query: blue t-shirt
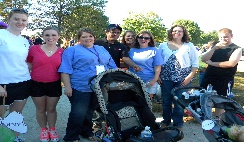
146	58
80	63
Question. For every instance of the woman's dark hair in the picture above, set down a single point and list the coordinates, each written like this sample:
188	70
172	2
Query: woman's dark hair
151	43
185	38
51	28
82	30
128	31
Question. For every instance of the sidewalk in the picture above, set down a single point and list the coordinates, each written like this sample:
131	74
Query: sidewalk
192	130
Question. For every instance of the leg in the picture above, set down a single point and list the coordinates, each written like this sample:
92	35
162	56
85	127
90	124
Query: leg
79	106
87	130
41	117
3	109
200	77
178	111
17	106
167	99
51	111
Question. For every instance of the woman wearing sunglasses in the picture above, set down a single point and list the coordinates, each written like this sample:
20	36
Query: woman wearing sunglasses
181	61
146	55
14	72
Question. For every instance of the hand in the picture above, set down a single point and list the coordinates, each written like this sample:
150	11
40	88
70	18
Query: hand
160	81
137	68
68	91
3	92
151	83
186	81
218	45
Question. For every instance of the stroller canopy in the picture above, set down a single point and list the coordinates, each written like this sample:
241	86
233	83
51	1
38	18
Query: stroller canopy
118	79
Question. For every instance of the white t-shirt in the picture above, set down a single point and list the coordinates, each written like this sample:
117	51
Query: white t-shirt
13	53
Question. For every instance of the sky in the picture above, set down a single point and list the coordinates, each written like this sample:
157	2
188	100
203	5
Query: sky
208	14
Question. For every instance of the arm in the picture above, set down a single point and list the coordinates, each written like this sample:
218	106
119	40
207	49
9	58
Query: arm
233	60
29	66
3	92
194	59
188	79
207	55
129	62
66	80
157	70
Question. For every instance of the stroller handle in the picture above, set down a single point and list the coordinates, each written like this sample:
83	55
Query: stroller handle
90	80
179	100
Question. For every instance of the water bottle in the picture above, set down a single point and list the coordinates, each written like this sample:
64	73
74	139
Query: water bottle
209	88
199	111
229	93
146	133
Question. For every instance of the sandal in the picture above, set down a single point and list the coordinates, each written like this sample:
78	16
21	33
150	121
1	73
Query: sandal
92	139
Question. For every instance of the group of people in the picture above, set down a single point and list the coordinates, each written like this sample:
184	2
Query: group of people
38	70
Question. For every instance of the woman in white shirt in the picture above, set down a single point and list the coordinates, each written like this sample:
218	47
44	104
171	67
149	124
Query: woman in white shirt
180	62
14	72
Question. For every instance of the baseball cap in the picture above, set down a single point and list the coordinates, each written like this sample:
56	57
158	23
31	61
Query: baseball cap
2	24
114	26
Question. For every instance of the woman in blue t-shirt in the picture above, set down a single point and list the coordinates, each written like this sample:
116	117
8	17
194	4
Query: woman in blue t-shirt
80	63
146	55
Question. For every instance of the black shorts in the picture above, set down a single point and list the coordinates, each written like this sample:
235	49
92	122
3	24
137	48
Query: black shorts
50	89
16	92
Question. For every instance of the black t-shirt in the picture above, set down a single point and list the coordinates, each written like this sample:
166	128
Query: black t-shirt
220	77
221	55
116	50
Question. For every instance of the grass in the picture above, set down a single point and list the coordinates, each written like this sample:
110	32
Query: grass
238	90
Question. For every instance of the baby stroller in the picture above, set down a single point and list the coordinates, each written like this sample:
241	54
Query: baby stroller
201	102
126	107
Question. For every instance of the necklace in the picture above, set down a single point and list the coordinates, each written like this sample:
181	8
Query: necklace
50	51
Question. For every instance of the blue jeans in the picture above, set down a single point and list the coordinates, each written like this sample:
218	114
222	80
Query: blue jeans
80	117
200	77
176	113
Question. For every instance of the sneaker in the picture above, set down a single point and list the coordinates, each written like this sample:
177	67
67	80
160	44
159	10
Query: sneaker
44	136
18	139
54	137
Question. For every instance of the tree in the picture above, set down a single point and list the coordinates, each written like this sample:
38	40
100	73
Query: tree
149	21
7	5
68	15
192	28
210	36
90	17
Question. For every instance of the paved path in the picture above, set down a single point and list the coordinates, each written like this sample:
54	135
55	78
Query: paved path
192	130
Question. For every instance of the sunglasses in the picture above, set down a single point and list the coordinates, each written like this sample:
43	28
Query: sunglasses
18	10
146	38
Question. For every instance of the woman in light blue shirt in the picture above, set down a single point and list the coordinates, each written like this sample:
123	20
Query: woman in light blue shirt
146	55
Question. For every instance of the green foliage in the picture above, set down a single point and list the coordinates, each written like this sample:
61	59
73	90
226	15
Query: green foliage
85	16
68	15
192	28
7	5
149	21
202	65
210	36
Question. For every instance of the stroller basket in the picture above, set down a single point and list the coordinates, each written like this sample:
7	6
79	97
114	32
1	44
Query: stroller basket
214	128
